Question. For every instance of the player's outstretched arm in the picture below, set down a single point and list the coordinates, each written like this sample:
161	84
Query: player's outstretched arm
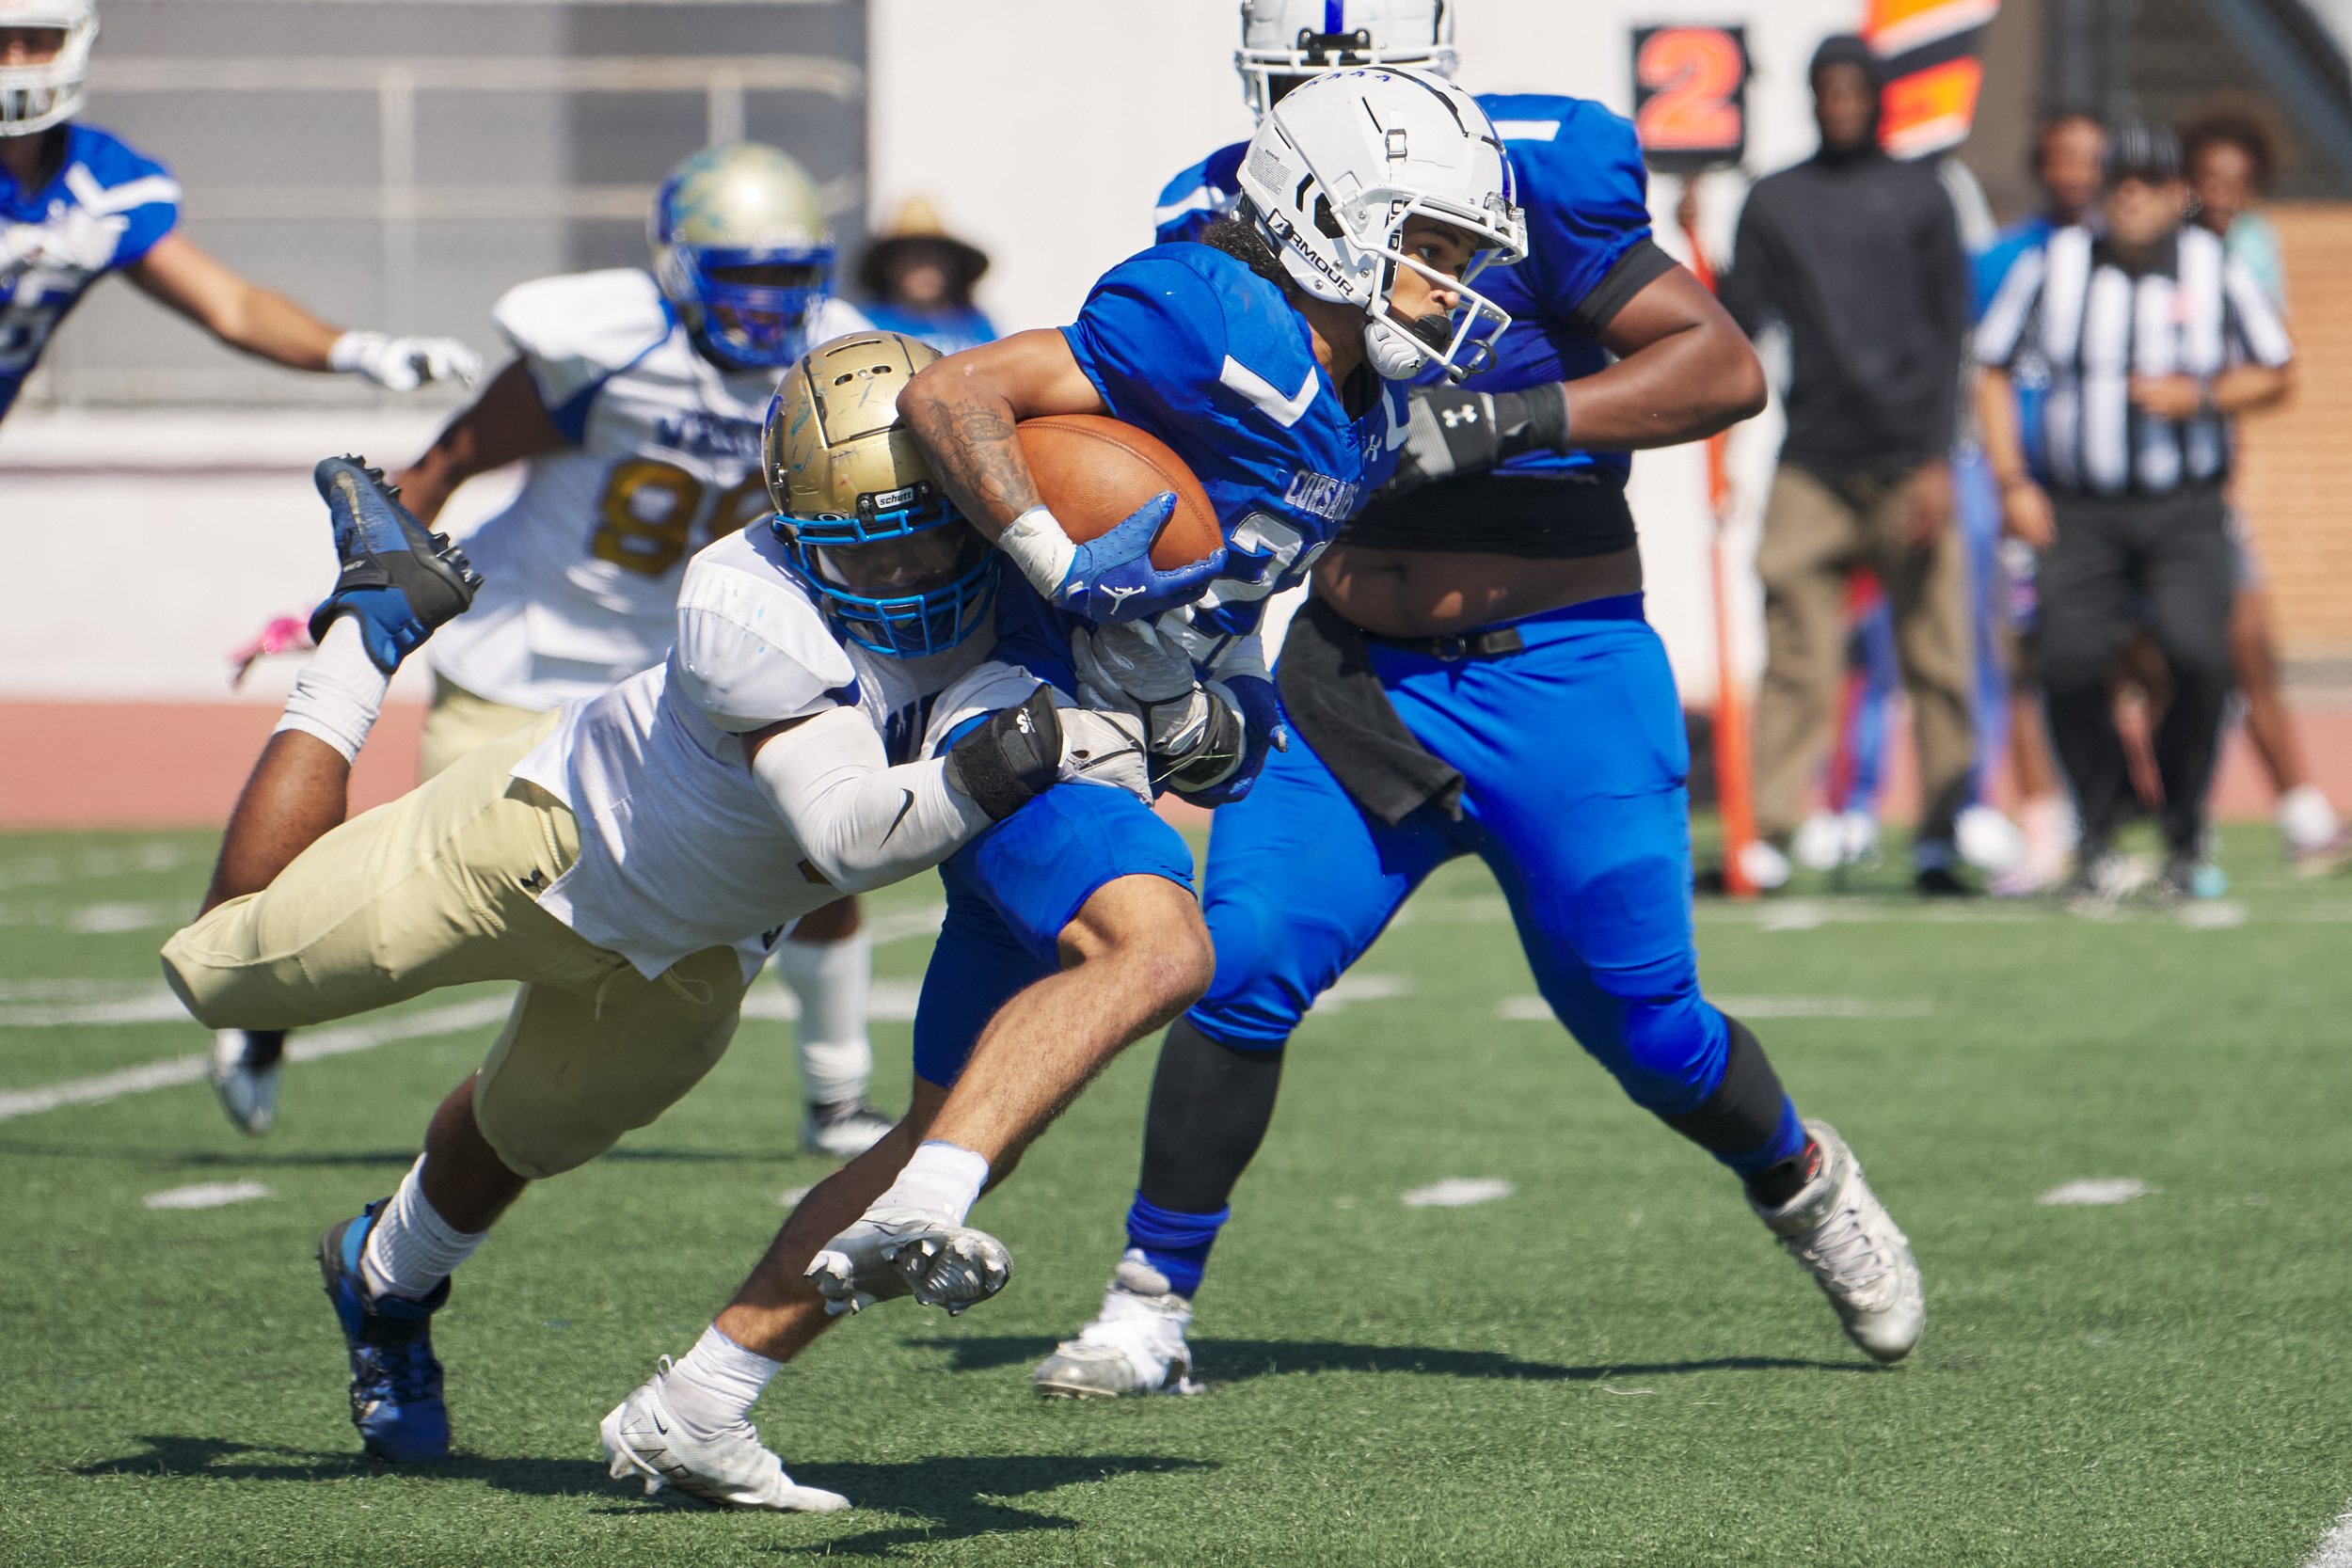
964	409
507	423
265	324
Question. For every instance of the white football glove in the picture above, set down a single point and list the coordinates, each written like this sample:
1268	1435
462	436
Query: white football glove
1128	667
404	364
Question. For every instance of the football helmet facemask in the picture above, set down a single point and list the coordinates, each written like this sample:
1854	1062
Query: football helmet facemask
1339	167
35	96
895	565
741	249
1285	41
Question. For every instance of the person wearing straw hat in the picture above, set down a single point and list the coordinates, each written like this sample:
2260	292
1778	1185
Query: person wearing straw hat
919	278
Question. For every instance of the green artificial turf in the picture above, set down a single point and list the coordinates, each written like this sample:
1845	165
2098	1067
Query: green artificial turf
1611	1365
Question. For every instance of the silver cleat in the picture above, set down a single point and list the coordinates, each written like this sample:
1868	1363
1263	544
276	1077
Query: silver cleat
1843	1236
906	1252
1136	1345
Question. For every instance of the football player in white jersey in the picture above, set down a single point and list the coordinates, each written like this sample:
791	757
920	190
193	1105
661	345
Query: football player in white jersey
635	397
631	857
77	203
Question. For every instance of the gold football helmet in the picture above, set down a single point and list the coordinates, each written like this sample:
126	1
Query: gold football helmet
741	247
894	564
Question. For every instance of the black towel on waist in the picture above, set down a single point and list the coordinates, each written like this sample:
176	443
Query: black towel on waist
1331	696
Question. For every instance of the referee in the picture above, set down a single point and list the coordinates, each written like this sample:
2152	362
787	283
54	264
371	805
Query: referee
2146	341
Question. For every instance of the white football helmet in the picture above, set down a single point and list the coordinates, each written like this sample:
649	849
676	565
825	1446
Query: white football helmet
35	97
1340	164
1284	42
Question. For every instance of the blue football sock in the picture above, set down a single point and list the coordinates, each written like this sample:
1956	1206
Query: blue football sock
1175	1244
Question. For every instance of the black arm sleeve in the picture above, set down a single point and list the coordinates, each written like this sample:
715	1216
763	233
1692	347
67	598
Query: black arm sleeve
1637	269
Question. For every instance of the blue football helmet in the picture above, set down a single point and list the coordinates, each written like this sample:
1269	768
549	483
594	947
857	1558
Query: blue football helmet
896	568
741	249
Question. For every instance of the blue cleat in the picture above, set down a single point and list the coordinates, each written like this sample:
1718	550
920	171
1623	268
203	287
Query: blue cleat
395	1382
400	580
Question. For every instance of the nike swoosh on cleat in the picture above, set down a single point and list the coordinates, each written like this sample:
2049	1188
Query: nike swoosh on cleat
907	806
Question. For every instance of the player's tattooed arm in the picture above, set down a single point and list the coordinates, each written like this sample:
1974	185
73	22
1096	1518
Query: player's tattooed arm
506	423
963	410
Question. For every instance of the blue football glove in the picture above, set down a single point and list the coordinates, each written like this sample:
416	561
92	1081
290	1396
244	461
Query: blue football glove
1112	579
1252	699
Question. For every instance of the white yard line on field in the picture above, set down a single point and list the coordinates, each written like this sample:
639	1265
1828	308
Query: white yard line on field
1534	1009
2099	1192
2335	1548
207	1194
1458	1191
304	1047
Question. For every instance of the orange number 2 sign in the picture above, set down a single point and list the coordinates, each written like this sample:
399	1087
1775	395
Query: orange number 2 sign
1690	94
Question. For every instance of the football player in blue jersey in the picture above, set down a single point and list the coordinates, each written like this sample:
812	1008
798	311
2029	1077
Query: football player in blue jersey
1473	675
75	204
1271	359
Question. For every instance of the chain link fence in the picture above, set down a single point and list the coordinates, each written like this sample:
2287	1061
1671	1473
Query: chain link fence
399	163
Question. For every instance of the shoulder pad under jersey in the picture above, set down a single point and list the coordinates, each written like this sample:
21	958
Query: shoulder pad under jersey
576	331
752	648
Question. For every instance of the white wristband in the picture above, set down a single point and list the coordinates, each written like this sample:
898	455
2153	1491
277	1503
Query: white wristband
1040	547
355	350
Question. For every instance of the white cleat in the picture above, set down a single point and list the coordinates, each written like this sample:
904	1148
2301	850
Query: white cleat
907	1252
244	1074
644	1441
1136	1346
845	1133
1847	1241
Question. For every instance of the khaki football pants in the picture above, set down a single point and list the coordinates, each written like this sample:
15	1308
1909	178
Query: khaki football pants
440	888
458	723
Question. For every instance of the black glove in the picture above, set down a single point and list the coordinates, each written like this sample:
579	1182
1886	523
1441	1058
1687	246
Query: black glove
1452	431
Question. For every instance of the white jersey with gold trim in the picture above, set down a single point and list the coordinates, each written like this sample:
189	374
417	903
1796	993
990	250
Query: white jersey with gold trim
583	567
679	847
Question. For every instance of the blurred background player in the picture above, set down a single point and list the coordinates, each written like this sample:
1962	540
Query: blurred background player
1858	257
76	204
635	397
918	280
1474	674
2152	342
2233	153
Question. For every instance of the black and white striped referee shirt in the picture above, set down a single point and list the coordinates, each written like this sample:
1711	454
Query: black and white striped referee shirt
2072	326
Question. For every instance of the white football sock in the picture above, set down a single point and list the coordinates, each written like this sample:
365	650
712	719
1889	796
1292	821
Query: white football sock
832	979
941	1179
411	1249
714	1387
2306	820
339	691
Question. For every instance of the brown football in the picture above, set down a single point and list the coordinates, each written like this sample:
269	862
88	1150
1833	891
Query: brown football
1094	471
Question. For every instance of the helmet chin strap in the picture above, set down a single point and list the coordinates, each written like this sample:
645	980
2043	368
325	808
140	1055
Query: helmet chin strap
1394	355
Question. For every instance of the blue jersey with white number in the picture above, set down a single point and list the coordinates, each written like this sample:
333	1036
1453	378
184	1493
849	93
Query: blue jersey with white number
102	209
1188	344
1586	194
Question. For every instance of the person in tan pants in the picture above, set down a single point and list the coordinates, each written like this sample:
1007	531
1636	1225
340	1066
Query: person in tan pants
1856	257
1816	532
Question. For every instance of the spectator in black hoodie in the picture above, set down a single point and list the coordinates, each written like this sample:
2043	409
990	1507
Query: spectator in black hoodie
1858	258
